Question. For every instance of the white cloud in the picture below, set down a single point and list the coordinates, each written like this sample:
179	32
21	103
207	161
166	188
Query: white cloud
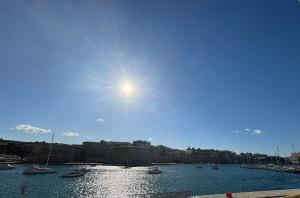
27	128
71	134
100	120
257	131
250	131
150	139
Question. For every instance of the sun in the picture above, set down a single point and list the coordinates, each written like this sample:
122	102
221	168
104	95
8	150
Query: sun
127	89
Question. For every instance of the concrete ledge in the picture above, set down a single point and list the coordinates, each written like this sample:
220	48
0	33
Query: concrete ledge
257	194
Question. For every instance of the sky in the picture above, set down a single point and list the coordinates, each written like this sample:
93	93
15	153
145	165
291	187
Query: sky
205	74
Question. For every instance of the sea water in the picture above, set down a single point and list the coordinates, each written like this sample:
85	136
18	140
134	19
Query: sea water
115	181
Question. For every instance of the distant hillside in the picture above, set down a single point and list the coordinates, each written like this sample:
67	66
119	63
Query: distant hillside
137	153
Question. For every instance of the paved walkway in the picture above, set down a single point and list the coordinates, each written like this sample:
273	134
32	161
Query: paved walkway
257	194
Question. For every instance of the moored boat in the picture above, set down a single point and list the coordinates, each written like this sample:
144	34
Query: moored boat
154	171
6	167
83	170
199	166
295	170
74	174
215	167
32	170
38	170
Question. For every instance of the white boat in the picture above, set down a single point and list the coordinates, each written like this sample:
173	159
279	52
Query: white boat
6	167
74	174
154	171
214	167
41	170
38	170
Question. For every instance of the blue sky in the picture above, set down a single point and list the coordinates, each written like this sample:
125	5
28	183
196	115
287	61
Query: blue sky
208	74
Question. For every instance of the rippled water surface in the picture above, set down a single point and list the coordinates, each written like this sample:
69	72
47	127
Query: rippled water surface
114	181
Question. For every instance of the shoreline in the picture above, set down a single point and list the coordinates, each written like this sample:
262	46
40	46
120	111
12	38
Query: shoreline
93	163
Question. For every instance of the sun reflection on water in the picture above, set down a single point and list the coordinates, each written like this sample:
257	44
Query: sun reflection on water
112	181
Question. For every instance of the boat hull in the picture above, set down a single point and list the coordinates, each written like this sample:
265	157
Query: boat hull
6	167
71	175
39	172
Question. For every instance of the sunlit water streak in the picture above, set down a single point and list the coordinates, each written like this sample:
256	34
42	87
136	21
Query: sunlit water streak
113	181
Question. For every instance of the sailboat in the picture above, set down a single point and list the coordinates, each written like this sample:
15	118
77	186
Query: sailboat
41	170
5	166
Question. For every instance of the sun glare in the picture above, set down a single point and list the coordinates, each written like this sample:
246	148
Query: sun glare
127	89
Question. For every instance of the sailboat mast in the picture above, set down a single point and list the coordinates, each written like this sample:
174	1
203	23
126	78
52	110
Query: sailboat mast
293	147
278	155
50	150
294	153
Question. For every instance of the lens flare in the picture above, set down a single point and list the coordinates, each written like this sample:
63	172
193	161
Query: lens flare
127	89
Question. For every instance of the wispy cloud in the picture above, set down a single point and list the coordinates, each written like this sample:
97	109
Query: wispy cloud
249	131
100	120
27	128
91	78
71	134
150	139
237	131
257	131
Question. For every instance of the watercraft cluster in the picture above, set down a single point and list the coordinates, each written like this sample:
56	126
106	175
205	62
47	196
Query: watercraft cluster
273	167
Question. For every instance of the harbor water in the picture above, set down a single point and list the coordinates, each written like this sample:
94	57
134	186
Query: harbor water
116	181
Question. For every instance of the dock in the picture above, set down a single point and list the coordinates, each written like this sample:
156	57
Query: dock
292	193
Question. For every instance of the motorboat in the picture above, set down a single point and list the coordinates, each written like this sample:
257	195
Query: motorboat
6	167
214	167
293	170
74	174
38	170
83	170
154	171
78	172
